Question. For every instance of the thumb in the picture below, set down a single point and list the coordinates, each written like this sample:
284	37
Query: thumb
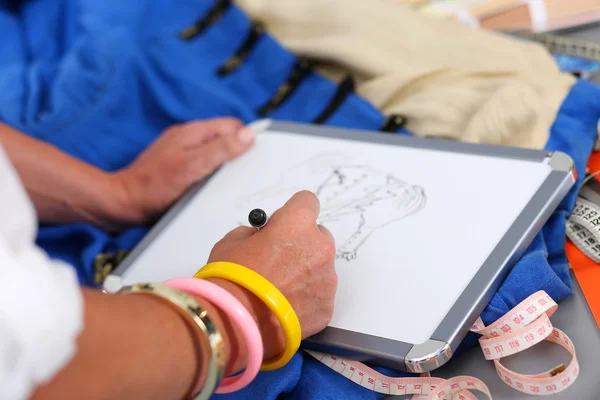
224	148
202	131
240	233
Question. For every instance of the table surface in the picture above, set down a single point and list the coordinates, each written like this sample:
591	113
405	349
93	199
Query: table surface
573	317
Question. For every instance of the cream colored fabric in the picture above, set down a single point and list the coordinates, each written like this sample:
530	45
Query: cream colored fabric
449	80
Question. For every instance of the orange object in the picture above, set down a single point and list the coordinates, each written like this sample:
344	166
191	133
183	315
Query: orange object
586	270
588	276
594	163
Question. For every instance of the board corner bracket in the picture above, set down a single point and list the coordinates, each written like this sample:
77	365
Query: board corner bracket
560	161
428	356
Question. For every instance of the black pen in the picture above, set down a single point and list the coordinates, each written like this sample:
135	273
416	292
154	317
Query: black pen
258	218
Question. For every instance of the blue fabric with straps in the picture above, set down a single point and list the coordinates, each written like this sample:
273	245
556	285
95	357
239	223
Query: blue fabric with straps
101	80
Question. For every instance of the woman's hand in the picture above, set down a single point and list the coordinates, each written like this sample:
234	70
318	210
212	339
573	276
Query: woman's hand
65	189
297	256
182	156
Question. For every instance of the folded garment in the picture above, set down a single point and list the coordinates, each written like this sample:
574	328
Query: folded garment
119	73
448	80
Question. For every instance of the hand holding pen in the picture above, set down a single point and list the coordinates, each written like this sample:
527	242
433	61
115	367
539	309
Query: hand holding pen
294	253
258	218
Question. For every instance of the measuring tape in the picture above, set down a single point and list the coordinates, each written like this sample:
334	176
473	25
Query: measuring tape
583	228
570	46
523	327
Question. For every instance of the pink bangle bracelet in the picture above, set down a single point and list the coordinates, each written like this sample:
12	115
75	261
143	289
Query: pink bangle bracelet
225	301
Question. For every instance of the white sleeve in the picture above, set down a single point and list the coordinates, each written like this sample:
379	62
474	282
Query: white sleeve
41	306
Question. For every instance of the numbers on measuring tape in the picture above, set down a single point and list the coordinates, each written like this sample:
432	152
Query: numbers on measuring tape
581	210
498	341
529	337
556	334
583	228
542	330
590	215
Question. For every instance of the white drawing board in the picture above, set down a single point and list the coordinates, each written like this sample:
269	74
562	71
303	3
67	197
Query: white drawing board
413	221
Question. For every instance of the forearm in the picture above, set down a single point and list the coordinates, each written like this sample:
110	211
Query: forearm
138	347
132	347
62	188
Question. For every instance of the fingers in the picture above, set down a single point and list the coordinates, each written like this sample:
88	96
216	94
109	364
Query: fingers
303	201
213	153
240	233
326	233
200	132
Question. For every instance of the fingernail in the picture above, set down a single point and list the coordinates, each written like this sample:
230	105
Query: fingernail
245	135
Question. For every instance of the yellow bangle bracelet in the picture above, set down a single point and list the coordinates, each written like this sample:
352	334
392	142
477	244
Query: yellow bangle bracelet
268	294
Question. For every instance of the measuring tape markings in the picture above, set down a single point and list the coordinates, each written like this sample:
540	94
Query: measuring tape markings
523	327
425	385
551	382
577	47
583	228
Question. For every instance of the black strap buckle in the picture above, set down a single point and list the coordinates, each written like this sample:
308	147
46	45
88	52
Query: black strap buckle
105	263
345	88
393	123
299	72
203	23
256	31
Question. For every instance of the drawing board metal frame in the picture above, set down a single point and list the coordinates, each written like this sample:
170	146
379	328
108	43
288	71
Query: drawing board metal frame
427	356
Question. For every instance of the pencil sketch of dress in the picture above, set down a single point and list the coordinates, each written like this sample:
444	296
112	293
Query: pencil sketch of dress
356	199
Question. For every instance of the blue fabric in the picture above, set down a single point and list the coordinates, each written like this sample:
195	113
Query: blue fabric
102	79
